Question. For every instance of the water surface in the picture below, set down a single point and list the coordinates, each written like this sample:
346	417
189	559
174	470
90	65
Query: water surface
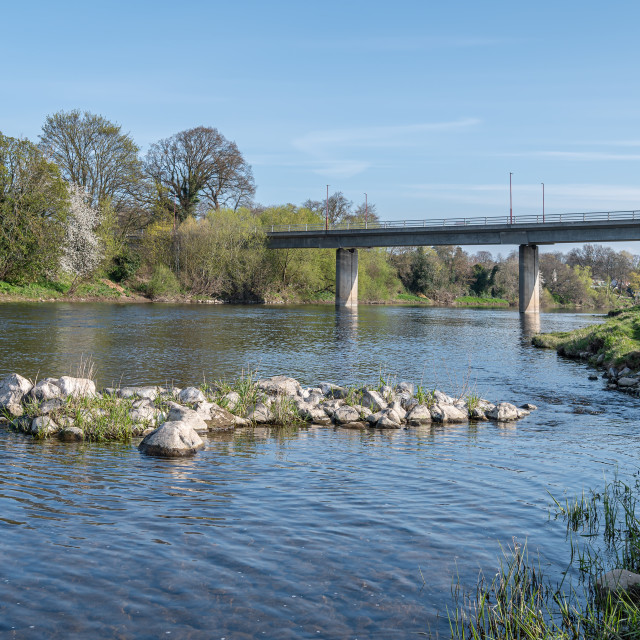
319	532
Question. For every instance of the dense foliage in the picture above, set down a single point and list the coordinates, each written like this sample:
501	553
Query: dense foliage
84	205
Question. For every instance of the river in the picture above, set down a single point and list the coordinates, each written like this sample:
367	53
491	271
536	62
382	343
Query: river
309	533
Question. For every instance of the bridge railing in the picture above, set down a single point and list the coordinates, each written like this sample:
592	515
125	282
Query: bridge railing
554	218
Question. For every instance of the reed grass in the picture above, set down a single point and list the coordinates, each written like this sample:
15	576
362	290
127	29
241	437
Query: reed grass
603	532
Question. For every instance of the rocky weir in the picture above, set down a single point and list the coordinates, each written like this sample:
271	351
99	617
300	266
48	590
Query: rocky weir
171	420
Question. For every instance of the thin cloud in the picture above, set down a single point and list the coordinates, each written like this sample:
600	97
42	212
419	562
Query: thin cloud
381	137
558	197
587	156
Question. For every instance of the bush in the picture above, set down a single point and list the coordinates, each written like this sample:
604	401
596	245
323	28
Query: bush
163	282
125	265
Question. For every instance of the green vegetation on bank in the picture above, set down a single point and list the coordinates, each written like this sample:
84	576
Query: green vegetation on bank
603	533
474	301
614	342
82	210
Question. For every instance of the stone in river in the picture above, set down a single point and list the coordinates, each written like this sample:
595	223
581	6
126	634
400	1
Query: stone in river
187	416
506	412
280	386
448	413
373	400
43	426
13	388
71	434
45	390
619	580
346	414
173	439
420	414
389	420
191	395
76	387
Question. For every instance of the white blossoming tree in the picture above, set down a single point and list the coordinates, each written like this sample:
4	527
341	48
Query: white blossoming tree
83	249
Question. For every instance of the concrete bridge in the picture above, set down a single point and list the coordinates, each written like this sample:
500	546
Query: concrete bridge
528	232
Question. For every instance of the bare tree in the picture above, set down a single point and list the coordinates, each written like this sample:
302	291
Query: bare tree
339	207
199	167
94	154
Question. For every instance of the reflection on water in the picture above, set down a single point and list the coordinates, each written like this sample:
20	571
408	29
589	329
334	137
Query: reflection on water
296	533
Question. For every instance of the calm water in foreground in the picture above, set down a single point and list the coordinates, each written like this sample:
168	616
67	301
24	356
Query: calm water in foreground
314	533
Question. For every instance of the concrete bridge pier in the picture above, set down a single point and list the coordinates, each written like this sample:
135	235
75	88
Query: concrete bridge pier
347	277
529	276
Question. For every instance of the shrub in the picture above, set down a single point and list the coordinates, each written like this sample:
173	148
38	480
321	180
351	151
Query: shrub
163	282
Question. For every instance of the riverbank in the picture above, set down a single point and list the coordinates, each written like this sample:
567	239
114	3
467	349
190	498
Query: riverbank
613	346
71	408
105	290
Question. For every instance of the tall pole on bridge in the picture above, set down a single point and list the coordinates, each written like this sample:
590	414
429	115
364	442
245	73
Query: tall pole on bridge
326	220
510	200
542	183
366	210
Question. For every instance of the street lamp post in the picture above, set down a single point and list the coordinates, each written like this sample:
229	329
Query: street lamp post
510	200
326	220
542	183
366	210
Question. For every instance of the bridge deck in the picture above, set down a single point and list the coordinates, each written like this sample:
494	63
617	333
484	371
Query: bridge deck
611	226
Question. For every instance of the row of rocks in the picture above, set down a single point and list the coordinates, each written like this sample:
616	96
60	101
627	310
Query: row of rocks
620	378
171	419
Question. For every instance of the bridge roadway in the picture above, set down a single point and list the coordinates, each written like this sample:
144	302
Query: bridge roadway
528	232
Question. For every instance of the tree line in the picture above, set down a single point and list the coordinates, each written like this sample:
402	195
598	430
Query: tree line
83	202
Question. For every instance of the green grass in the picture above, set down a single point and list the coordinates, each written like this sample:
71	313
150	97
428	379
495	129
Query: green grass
36	290
410	297
603	532
45	289
618	339
474	301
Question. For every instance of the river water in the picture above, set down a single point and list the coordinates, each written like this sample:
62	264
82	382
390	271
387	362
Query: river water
314	533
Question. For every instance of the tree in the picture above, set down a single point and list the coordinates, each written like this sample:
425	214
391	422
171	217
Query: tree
199	168
96	155
82	247
33	206
339	208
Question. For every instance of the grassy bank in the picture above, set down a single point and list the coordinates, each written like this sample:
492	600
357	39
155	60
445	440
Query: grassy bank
614	342
603	533
474	301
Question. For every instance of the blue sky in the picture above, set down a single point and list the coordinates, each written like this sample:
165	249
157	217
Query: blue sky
426	106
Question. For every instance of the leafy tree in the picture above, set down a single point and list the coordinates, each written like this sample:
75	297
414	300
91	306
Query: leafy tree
199	169
222	254
33	208
94	153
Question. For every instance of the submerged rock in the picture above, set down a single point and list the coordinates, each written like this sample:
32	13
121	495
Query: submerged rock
71	434
619	580
173	439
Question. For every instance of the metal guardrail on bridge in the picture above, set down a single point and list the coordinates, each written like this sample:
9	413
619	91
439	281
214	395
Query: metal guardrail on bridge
594	216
